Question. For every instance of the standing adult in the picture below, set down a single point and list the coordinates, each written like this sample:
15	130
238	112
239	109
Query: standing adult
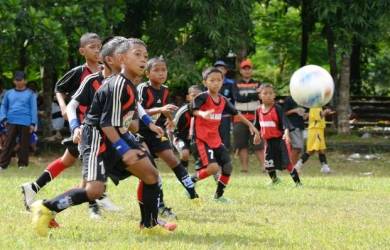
19	115
246	101
227	91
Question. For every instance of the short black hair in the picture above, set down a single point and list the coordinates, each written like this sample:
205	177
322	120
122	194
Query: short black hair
153	61
210	70
264	86
87	38
110	47
128	44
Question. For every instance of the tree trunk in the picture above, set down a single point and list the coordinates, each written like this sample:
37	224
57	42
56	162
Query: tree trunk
47	86
356	79
305	23
22	64
333	67
343	106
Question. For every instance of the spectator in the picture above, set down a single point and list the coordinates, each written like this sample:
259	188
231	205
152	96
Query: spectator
19	115
246	101
227	91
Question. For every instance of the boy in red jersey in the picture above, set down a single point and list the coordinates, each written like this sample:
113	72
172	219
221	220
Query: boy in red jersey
207	109
274	128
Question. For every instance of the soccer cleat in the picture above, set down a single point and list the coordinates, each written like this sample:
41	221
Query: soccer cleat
94	213
53	224
298	185
108	205
167	213
170	226
275	182
325	169
222	199
41	217
28	195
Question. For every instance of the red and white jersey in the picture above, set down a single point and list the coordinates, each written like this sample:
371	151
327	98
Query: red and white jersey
269	123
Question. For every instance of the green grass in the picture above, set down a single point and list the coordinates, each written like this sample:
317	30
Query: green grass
349	209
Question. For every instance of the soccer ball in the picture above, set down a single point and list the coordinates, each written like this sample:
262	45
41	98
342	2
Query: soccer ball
311	86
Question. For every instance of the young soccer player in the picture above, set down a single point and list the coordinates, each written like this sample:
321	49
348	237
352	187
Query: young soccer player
106	129
182	120
207	109
90	45
274	126
154	98
316	138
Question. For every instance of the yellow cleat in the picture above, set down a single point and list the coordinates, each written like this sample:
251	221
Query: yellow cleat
41	217
156	230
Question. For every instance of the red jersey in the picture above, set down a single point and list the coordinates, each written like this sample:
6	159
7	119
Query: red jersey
271	123
207	130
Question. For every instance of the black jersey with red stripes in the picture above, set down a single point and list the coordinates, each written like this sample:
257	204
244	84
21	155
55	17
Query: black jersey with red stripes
85	93
114	104
183	122
71	81
207	130
272	122
150	97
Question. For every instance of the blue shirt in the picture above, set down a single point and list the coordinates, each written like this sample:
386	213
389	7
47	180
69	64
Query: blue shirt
19	107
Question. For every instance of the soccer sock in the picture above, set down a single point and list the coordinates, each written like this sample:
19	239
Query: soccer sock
141	205
72	197
295	176
150	194
202	174
272	174
182	175
51	172
93	204
223	180
322	159
184	163
305	157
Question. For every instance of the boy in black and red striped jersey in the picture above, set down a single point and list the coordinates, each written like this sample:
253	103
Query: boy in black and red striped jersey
207	108
154	98
274	126
181	135
90	45
106	129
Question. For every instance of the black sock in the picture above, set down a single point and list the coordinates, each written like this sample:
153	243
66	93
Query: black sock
322	159
72	197
182	175
305	157
222	182
295	176
161	197
42	181
184	163
272	174
142	210
150	199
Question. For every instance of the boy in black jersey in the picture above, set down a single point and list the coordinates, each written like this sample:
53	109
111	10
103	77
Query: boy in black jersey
154	98
105	128
182	120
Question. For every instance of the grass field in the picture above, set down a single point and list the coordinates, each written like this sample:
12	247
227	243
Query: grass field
349	209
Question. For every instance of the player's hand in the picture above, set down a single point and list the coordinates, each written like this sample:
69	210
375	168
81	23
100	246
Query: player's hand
156	129
206	114
257	139
253	130
300	111
132	156
168	108
329	112
77	135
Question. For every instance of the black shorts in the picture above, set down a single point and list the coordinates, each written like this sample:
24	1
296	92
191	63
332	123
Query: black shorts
155	144
208	155
71	146
243	138
91	149
276	154
181	144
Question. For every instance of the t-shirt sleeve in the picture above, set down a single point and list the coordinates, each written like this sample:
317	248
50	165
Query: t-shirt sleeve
288	104
142	95
229	108
284	122
84	93
69	81
198	102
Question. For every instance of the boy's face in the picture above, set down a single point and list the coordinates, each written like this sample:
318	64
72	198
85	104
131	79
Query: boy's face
192	93
214	82
20	83
246	72
158	73
134	60
91	50
267	95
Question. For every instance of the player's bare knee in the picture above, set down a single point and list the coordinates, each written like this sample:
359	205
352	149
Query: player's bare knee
213	168
95	190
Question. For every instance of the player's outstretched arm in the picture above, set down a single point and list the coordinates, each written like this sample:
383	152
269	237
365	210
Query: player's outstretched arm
74	123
